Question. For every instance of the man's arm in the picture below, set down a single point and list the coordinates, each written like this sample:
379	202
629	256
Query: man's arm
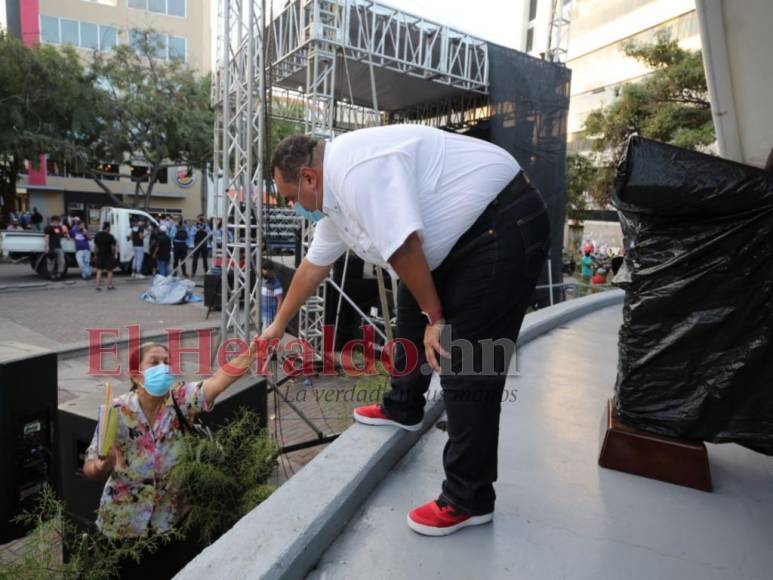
306	280
410	263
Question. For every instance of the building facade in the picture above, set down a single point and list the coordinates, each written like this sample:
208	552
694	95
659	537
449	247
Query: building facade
185	31
597	32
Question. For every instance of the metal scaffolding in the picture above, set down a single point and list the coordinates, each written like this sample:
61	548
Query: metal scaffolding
336	65
239	98
560	22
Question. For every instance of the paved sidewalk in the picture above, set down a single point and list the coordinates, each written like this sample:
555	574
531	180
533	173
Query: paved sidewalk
62	313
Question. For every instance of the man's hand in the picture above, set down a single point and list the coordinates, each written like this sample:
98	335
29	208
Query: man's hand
432	347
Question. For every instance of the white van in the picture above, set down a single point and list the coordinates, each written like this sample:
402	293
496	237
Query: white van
31	244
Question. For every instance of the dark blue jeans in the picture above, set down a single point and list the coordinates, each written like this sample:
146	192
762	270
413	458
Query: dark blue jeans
485	285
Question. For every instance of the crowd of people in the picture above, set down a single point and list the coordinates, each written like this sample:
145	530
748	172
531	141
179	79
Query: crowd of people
25	221
172	244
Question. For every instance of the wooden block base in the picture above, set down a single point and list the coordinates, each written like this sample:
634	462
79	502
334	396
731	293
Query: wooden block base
624	448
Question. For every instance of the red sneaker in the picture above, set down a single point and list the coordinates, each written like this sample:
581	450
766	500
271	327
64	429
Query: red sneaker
437	518
374	415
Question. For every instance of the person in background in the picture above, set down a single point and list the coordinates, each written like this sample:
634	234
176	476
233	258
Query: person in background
191	231
82	247
137	238
140	496
586	264
600	277
24	219
169	223
163	251
13	226
201	232
154	231
271	295
105	245
180	246
36	219
54	233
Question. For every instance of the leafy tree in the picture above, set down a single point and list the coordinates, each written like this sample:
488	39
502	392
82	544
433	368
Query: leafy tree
154	113
669	105
47	100
580	173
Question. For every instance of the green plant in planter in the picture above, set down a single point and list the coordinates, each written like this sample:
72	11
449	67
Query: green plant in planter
223	478
90	555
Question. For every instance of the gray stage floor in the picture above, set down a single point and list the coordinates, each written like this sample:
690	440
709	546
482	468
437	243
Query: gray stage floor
558	514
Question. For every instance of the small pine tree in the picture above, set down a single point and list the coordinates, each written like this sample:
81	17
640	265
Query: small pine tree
90	555
222	479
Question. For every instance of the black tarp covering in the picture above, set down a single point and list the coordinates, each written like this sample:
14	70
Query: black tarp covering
530	102
696	344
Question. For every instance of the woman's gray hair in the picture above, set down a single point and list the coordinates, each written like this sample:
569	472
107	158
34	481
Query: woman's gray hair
292	153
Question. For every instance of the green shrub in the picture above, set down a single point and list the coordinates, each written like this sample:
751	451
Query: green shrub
91	555
224	478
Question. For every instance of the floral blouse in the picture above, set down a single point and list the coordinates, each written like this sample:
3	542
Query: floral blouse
141	497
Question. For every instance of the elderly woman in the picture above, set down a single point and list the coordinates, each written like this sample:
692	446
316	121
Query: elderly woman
139	498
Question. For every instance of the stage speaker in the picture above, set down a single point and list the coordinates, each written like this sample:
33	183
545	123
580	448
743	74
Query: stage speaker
78	420
28	399
213	287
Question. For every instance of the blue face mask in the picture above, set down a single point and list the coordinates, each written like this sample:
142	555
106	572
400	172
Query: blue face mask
158	380
312	216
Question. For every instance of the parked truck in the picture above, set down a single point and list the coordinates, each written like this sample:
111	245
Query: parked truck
31	245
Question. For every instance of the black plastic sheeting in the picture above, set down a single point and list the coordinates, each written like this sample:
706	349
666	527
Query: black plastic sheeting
696	344
530	102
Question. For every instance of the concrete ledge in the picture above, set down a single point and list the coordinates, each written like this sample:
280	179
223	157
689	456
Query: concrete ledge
81	347
286	535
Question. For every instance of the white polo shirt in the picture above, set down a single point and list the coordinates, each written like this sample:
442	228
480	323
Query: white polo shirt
382	184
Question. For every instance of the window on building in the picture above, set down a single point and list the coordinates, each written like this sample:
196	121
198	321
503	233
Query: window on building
158	42
157	6
49	29
140	173
176	7
89	35
69	32
177	48
108	37
170	7
135	38
532	10
529	40
85	35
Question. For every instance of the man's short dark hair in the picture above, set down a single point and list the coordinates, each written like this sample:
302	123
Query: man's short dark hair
268	266
105	225
55	218
292	153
